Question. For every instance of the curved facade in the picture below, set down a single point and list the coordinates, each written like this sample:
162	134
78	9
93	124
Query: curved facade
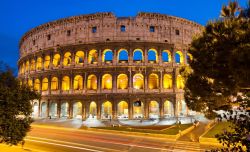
104	67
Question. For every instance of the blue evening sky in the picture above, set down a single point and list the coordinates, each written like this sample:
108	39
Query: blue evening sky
19	16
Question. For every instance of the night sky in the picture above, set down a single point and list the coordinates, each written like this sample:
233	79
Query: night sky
19	16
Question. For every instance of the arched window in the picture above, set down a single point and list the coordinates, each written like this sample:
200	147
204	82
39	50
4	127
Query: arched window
138	55
37	85
167	81
123	55
168	109
39	63
79	58
152	56
27	66
107	55
122	81
179	57
93	57
166	56
67	59
92	82
189	58
122	110
78	82
30	83
45	84
65	83
56	60
54	83
106	110
138	81
154	109
180	82
107	81
33	65
92	109
153	81
47	62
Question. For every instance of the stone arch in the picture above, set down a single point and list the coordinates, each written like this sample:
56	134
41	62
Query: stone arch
122	55
138	109
53	109
64	109
43	110
107	55
56	60
54	84
189	58
30	83
78	82
107	81
106	110
33	65
92	110
122	81
77	110
79	57
180	82
153	81
167	81
182	108
138	55
67	59
168	109
166	56
27	66
65	83
45	84
46	62
122	110
35	112
93	57
154	109
39	62
179	57
37	85
153	55
92	82
138	81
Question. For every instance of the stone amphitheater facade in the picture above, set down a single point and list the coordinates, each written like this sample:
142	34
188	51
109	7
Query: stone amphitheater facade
102	66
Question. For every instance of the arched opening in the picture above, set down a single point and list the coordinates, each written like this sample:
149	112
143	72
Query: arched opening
138	109
179	57
93	57
78	82
64	110
107	110
53	110
92	110
189	58
43	110
77	110
138	55
182	108
46	62
92	82
33	65
180	82
56	60
168	109
30	83
39	62
45	84
166	56
27	66
122	110
79	57
107	81
67	59
154	110
37	85
35	110
54	83
138	81
167	81
65	83
153	81
152	56
123	55
122	81
107	55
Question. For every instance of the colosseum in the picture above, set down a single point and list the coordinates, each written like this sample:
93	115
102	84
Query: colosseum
105	67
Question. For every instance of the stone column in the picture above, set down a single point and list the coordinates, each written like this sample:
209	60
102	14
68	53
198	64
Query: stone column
98	110
130	109
51	61
130	57
70	110
161	82
146	109
99	83
159	56
114	57
59	109
145	81
145	56
184	52
114	83
49	84
48	107
161	106
85	81
73	53
85	58
114	110
71	86
83	110
100	57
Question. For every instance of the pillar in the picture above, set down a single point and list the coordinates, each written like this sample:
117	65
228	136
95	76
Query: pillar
114	110
84	110
98	110
161	106
146	109
47	108
70	109
59	109
130	109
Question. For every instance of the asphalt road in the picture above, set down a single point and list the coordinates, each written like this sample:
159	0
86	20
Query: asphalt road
46	139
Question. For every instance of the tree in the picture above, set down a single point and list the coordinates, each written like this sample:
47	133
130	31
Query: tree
15	108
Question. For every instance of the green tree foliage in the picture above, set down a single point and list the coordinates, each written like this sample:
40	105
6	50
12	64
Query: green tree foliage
15	108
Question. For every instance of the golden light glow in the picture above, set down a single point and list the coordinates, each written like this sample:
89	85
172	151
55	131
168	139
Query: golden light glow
92	108
37	85
67	59
54	83
167	81
45	84
39	62
122	108
122	81
180	82
27	66
107	108
56	60
189	57
181	56
78	82
169	54
93	56
138	81
79	58
92	82
155	54
104	54
107	81
153	81
168	107
65	83
47	62
153	107
33	65
30	83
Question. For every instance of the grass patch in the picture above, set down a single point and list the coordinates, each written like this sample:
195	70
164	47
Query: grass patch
175	130
217	129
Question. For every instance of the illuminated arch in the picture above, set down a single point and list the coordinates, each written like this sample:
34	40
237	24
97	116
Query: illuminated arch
65	83
179	57
180	82
107	81
56	60
138	109
92	110
168	109
30	83
54	83
123	55
77	110
107	55
64	109
182	108
35	109
122	110
78	82
107	110
138	55
93	56
153	81
154	109
27	66
37	85
43	109
79	57
47	62
67	59
166	56
189	58
33	65
39	63
152	55
53	110
92	82
45	84
122	81
167	81
138	81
